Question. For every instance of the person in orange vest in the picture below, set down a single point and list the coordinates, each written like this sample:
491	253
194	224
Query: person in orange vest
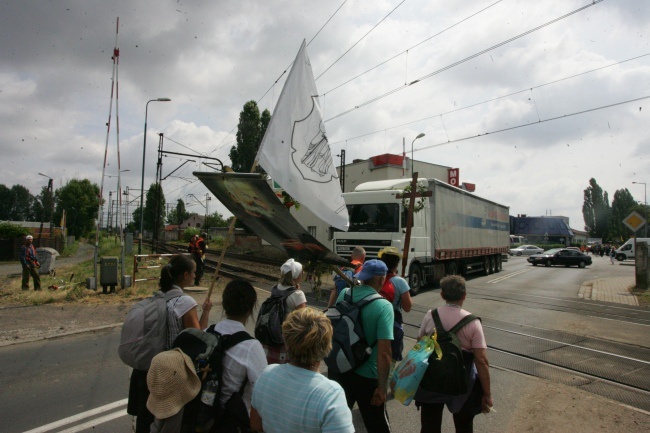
197	248
29	260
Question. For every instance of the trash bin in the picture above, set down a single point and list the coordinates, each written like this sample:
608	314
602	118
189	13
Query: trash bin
46	257
108	273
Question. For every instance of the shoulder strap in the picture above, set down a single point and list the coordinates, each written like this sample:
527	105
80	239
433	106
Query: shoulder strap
368	299
171	294
284	294
462	322
234	339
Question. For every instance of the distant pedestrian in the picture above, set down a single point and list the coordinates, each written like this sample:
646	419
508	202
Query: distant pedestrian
197	248
612	255
29	261
296	397
357	258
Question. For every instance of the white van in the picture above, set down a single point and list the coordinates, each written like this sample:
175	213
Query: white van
626	251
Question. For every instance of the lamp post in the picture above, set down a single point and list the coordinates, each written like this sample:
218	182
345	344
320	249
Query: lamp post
49	204
645	204
144	149
420	135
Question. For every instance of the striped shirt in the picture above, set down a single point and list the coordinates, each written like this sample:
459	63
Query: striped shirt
291	399
176	309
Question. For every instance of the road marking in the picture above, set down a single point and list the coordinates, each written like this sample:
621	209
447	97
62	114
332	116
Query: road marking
97	421
510	275
79	416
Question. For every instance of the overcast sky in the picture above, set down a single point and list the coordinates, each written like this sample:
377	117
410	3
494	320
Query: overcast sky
210	57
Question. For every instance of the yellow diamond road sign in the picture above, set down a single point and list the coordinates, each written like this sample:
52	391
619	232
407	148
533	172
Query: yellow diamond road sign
634	221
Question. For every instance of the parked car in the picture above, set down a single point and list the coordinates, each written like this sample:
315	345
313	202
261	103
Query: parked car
525	250
560	256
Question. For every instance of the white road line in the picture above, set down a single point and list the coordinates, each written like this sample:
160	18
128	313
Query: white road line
79	416
94	422
510	275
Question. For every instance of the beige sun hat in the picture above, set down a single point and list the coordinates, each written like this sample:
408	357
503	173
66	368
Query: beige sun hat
172	383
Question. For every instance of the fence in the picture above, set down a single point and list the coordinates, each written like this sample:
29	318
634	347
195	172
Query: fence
137	258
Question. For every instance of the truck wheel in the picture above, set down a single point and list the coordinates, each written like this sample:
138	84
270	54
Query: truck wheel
498	264
486	266
620	257
491	264
581	264
415	279
452	268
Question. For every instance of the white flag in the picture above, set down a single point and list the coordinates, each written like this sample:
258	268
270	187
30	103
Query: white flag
295	151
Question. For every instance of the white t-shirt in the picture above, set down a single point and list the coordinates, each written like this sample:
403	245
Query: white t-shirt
294	299
176	309
247	359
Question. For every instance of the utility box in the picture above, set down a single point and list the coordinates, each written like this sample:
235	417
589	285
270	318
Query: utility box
128	243
108	273
46	257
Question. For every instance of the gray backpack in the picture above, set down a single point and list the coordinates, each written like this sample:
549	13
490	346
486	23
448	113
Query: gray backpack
144	333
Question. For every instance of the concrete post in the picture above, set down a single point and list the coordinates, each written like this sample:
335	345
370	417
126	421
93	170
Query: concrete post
642	268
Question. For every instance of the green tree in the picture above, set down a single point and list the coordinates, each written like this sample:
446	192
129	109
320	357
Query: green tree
16	204
154	208
215	220
622	204
80	199
181	213
596	211
250	131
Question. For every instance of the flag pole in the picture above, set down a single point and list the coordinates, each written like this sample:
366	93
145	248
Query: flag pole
231	229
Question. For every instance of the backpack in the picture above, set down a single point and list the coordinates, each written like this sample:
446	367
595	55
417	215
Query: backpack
447	372
205	413
144	333
268	327
350	348
340	283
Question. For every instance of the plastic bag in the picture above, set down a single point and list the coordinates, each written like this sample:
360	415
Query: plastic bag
409	372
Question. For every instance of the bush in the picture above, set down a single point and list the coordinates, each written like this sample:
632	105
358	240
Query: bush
12	231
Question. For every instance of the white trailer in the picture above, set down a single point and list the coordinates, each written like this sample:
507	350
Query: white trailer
455	232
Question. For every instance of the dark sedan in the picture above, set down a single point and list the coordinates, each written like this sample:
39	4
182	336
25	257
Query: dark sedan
560	256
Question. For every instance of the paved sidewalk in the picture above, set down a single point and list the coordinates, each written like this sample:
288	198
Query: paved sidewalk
613	289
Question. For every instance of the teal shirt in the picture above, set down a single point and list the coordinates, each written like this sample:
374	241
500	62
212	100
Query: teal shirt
377	319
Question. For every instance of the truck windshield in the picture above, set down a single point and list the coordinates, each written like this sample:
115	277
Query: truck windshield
381	217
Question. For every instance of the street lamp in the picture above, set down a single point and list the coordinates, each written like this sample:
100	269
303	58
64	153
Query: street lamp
645	204
420	135
144	149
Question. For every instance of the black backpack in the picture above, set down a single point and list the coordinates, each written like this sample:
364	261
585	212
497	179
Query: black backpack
268	327
350	348
448	374
205	413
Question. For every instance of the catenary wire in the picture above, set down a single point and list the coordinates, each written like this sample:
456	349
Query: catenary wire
489	100
360	39
564	116
410	48
402	87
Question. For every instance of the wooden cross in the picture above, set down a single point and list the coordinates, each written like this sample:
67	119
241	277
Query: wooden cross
407	237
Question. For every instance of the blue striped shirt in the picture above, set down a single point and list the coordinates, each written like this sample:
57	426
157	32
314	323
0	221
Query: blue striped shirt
291	399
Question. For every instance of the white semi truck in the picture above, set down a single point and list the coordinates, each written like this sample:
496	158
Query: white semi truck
454	231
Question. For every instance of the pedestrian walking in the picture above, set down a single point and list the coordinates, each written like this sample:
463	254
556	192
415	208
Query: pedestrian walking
29	261
612	254
296	397
181	314
472	341
197	248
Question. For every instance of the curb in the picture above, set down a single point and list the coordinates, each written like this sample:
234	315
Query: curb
64	334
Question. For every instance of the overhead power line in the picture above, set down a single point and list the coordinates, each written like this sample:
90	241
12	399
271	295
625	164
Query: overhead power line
487	100
564	116
390	92
410	48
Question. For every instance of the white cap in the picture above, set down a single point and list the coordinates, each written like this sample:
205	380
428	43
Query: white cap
291	266
29	237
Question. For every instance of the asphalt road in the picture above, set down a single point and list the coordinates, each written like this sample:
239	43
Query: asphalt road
79	384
